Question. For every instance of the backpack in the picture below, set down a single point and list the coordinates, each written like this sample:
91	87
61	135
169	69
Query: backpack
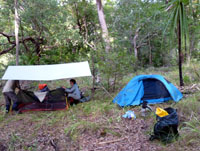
166	128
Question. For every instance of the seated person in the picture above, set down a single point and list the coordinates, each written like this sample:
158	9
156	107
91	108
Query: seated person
73	92
43	87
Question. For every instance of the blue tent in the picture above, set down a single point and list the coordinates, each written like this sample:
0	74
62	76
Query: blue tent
151	88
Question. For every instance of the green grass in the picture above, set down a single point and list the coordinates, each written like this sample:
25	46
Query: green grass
101	114
76	128
193	126
85	116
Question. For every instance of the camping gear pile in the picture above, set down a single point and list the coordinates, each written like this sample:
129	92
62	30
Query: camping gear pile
53	100
152	89
166	128
50	100
45	99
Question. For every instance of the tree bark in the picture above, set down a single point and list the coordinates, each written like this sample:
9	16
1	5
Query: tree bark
7	50
150	52
191	45
102	22
180	54
94	75
135	43
185	49
17	32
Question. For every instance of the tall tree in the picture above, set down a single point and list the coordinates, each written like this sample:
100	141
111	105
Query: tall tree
102	22
135	42
17	31
180	54
179	23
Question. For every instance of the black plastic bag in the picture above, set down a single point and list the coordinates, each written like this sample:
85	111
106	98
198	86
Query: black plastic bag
166	128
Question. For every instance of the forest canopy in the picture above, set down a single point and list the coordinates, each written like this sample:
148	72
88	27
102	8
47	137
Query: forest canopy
137	34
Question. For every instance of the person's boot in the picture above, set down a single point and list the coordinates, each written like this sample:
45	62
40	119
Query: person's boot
7	108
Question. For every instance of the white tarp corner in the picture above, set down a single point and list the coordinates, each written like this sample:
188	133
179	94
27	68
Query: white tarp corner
47	72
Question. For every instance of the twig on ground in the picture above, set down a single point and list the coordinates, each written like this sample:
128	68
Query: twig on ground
193	86
112	141
54	145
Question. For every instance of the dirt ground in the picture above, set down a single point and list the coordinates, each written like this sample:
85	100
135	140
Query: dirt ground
127	135
90	130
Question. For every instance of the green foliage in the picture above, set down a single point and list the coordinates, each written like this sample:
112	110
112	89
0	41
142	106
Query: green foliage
117	65
1	117
193	126
100	115
69	31
178	13
150	21
186	79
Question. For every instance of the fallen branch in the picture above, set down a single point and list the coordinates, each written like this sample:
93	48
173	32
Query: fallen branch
193	86
53	144
190	89
112	141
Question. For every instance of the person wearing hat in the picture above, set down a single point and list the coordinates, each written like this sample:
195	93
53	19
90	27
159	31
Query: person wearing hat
10	95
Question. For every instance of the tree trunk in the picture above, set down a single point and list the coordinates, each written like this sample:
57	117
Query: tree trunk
94	75
185	49
191	45
102	22
135	43
180	54
150	52
17	32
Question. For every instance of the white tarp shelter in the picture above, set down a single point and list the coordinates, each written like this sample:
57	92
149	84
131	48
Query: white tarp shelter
47	72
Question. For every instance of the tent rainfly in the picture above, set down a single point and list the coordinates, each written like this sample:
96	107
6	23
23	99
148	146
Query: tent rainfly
150	88
47	72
